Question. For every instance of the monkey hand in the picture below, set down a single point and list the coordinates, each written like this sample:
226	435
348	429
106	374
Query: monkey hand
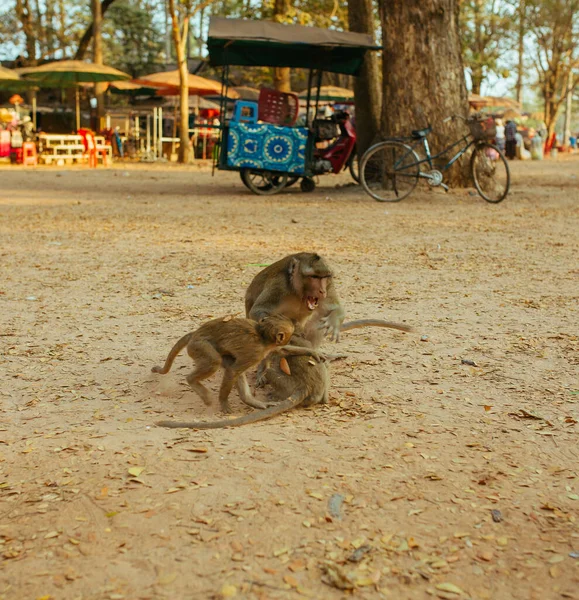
331	323
319	356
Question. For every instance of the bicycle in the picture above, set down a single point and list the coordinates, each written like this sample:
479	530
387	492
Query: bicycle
390	170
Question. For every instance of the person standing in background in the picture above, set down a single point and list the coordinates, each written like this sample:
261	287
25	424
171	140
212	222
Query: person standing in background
511	139
500	134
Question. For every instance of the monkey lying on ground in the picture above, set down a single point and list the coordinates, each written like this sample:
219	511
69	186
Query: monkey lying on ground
300	287
237	345
307	383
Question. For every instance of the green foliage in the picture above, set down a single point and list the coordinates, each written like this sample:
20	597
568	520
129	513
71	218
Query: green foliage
486	28
133	40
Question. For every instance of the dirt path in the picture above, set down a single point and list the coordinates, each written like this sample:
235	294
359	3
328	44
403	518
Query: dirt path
102	271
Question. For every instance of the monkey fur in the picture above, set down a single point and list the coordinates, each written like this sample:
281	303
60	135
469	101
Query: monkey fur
307	384
236	345
299	286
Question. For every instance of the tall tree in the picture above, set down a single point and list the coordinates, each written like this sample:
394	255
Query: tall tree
423	75
84	43
97	20
521	32
367	86
485	30
554	25
180	34
281	75
133	37
26	18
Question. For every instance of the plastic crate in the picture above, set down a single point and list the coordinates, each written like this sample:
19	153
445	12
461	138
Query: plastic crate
278	108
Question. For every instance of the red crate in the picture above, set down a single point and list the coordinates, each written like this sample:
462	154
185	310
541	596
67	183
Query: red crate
278	108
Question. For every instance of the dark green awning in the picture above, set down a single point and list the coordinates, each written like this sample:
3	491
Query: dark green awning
243	42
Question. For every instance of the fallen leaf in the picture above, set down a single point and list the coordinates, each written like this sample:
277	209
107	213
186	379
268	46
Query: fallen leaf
167	579
228	591
297	565
316	495
557	558
555	571
337	577
449	587
291	581
136	471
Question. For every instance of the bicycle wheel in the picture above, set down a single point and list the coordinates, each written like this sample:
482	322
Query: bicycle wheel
262	182
490	172
389	171
354	166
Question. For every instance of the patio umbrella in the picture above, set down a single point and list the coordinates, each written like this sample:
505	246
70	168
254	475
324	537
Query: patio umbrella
168	84
481	101
10	80
66	73
329	93
131	89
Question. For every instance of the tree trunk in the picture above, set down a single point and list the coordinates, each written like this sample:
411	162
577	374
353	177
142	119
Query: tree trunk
423	77
568	111
551	105
24	14
521	52
281	75
87	36
49	32
477	79
62	29
367	88
99	88
180	42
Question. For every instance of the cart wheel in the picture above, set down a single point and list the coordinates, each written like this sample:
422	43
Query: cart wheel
307	185
263	183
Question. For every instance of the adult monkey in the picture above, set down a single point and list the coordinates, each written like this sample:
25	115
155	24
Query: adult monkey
299	286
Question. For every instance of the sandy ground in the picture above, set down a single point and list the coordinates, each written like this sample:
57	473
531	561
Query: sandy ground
389	490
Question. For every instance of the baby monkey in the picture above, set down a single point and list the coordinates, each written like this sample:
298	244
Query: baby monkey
236	345
303	382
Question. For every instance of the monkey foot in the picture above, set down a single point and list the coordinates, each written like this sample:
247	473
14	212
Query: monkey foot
254	403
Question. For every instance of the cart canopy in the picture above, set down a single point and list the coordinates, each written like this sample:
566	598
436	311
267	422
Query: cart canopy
244	42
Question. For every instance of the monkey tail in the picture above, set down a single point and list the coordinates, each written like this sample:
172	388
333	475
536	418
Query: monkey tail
172	355
259	415
374	323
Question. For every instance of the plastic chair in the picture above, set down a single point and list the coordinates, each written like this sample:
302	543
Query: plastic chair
91	150
278	108
29	154
245	112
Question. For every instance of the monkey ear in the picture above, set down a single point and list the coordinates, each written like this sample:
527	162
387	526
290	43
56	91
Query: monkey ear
294	263
280	337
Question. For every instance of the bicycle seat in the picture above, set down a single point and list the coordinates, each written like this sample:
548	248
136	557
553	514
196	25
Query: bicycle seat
421	133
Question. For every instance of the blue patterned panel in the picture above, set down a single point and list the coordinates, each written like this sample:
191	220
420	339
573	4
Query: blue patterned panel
268	147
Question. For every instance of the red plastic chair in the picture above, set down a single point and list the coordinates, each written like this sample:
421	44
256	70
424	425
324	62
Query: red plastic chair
29	154
278	108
